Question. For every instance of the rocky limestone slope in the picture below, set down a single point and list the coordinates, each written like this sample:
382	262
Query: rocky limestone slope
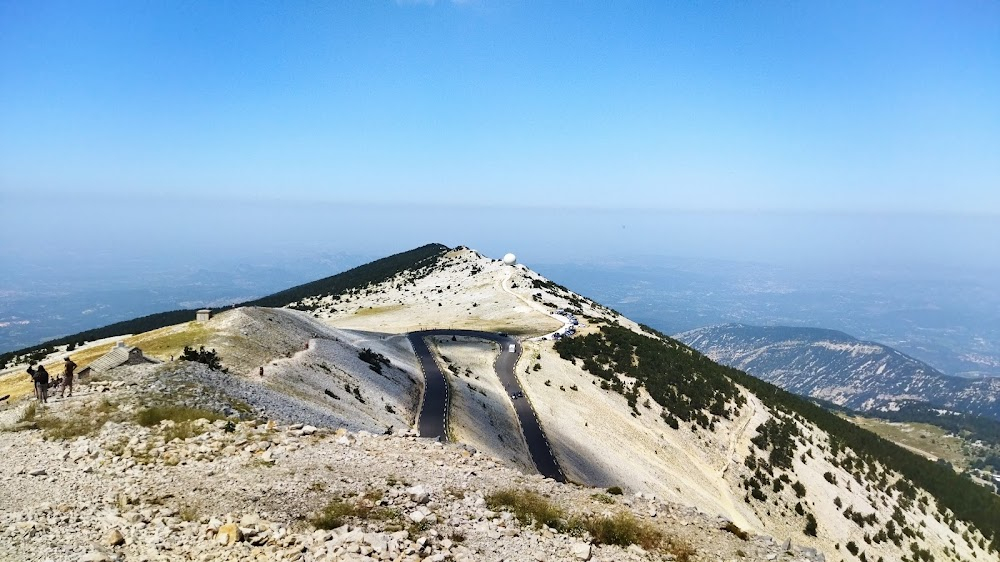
98	486
599	439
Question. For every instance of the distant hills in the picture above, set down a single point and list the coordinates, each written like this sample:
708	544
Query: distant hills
836	367
356	278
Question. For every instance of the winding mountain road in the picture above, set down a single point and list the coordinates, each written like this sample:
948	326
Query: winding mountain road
433	416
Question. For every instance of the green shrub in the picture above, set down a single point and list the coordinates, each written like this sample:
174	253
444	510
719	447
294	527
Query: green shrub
374	359
209	358
810	525
334	515
614	491
603	498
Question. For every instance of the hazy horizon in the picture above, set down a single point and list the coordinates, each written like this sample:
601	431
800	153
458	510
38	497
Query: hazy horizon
147	143
176	231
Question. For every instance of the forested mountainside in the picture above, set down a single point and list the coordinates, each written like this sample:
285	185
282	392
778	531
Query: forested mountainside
696	390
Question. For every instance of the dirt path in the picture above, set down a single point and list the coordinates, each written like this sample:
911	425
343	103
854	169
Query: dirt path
736	441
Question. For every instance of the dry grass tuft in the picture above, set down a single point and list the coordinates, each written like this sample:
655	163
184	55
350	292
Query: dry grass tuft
732	528
184	418
529	507
29	413
338	512
78	422
621	529
681	551
178	414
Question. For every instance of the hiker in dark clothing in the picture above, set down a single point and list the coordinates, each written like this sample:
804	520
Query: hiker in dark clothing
31	373
68	367
41	377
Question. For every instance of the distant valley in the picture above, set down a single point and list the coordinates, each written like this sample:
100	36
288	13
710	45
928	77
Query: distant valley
946	318
39	303
836	367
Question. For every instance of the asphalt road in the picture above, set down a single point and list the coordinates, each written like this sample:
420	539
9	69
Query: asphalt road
433	418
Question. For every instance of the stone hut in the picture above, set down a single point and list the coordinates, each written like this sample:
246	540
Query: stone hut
118	356
203	315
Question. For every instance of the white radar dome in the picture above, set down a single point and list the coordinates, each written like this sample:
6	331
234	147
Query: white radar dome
510	259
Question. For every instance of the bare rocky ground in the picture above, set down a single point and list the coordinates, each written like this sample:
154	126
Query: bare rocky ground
245	489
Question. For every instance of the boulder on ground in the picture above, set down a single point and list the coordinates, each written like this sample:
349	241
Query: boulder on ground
229	534
113	538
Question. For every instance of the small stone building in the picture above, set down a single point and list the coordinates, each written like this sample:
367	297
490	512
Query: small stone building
203	315
118	356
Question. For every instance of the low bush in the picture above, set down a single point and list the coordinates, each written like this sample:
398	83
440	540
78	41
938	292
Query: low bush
374	359
209	358
622	529
603	498
334	515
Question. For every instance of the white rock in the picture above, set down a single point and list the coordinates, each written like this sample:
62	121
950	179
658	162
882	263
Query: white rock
113	538
377	541
636	549
581	551
418	494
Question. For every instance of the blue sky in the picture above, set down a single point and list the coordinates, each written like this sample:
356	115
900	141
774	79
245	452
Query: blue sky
763	109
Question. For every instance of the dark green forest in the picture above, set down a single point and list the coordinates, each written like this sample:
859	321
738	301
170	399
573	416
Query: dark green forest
356	278
693	387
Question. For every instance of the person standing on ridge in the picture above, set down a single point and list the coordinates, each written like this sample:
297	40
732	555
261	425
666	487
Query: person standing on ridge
68	367
32	372
41	377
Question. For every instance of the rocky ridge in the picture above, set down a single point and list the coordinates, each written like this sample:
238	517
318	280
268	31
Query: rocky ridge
252	490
